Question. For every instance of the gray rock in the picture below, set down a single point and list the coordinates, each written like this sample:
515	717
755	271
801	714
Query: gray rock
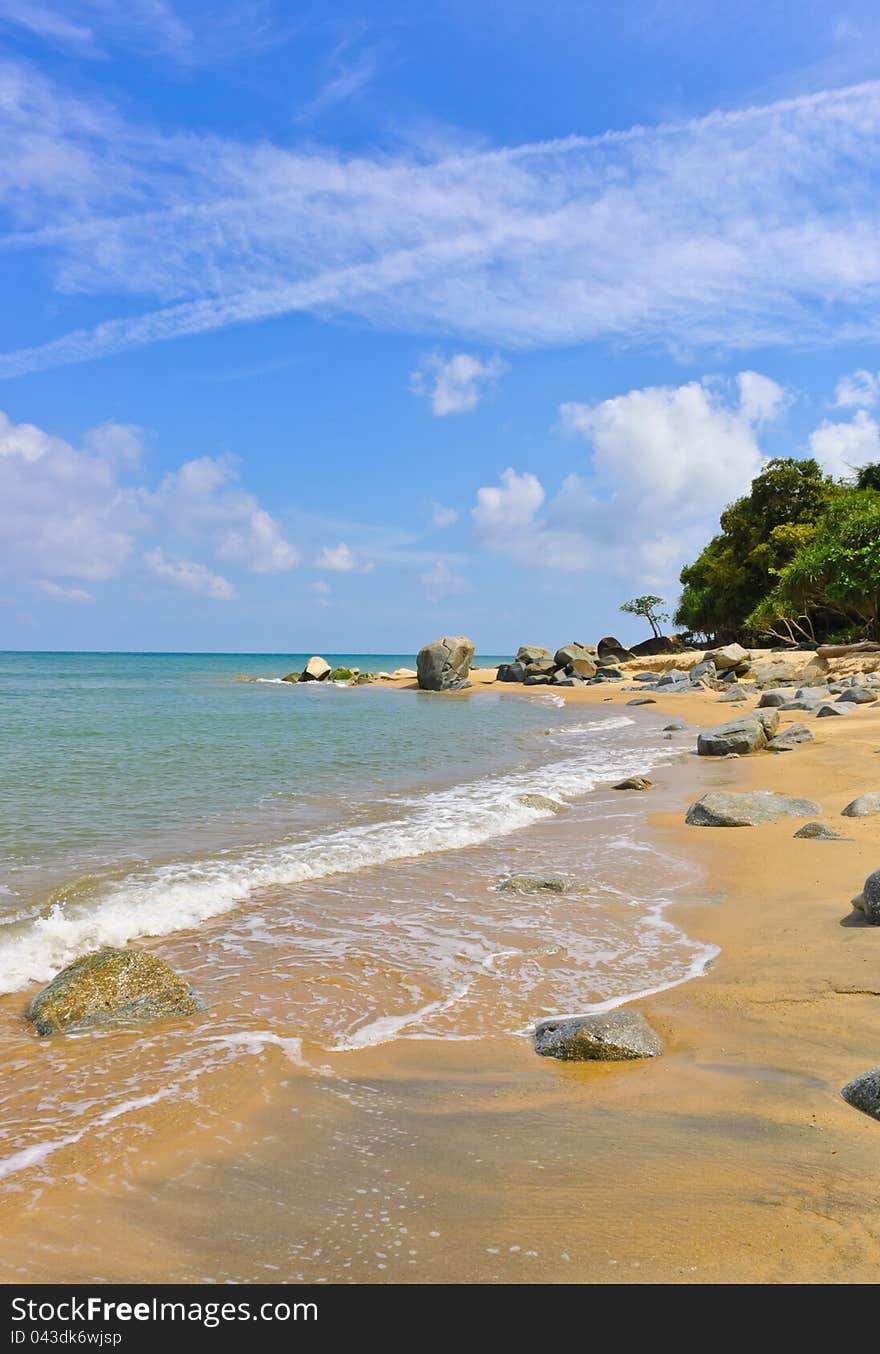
769	721
857	695
789	738
609	647
734	693
613	1036
674	675
673	728
723	808
772	698
529	883
316	670
868	900
510	672
729	656
818	832
642	700
114	987
576	659
653	677
863	806
776	673
634	783
531	653
746	734
807	706
566	679
825	711
445	663
609	673
705	668
863	1093
813	694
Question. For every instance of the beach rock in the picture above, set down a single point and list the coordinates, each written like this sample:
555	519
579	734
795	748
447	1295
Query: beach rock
542	802
868	901
734	694
863	1093
613	1036
642	700
727	808
776	672
609	647
531	653
341	675
818	832
406	673
292	677
790	738
444	663
674	728
649	678
634	783
769	721
863	806
364	678
671	677
316	670
746	734
657	644
561	679
114	987
528	883
576	658
813	694
857	695
729	656
769	699
511	672
705	668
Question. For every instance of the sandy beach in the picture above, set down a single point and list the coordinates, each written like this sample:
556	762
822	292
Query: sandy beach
730	1159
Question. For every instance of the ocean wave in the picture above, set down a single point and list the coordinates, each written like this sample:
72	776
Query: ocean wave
163	899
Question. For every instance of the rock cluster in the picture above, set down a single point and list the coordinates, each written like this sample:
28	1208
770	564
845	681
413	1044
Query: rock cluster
571	665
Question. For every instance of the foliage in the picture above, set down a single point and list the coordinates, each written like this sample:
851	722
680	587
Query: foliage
647	607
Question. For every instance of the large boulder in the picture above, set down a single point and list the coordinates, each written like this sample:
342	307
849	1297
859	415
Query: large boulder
444	664
531	653
657	644
114	987
863	1092
868	900
729	656
316	670
609	647
510	672
727	808
576	660
540	673
857	695
613	1036
742	735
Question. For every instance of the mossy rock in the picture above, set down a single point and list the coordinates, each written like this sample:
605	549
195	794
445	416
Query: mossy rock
364	678
341	675
292	677
114	987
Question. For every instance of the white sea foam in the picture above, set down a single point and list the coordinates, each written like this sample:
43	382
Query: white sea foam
163	899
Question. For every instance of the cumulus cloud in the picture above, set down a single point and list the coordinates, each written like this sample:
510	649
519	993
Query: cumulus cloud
456	384
861	390
84	513
841	448
755	226
443	517
341	559
190	575
663	462
59	593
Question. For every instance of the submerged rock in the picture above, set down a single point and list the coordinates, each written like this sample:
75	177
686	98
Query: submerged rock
529	883
863	1092
868	901
613	1036
542	802
727	808
818	832
634	783
292	677
863	806
444	664
113	987
341	675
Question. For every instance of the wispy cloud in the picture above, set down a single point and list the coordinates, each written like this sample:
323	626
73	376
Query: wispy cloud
350	68
191	576
752	227
455	384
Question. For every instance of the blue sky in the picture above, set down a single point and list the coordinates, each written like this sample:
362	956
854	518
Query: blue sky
340	327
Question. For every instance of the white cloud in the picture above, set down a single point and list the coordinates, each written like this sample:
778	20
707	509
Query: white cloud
340	559
62	594
455	384
664	462
441	581
191	576
842	447
759	226
861	390
443	517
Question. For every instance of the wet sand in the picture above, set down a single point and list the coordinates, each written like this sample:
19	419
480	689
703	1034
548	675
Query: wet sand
730	1159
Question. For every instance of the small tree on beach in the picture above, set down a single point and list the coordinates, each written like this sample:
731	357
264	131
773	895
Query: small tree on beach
647	607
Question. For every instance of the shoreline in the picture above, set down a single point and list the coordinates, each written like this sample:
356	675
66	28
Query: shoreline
730	1159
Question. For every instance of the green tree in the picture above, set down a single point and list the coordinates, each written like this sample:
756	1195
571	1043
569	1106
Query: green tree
760	534
647	607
